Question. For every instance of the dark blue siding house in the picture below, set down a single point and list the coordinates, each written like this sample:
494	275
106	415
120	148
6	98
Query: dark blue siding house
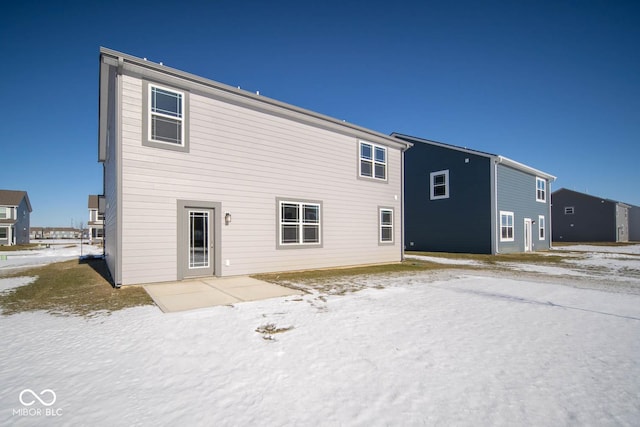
468	201
580	217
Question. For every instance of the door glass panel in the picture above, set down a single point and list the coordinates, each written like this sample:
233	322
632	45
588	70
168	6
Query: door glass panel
198	239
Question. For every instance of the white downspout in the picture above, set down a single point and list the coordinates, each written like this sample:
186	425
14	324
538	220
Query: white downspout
549	230
497	217
402	231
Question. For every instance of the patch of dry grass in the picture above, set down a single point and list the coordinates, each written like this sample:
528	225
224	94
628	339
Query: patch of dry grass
339	281
524	257
270	329
78	288
333	273
14	248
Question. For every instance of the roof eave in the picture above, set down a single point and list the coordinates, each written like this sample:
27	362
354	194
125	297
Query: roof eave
442	144
116	58
520	166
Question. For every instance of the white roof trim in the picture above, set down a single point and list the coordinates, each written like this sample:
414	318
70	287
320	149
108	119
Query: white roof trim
517	165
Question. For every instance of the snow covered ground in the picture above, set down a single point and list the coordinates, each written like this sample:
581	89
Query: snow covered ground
627	249
453	347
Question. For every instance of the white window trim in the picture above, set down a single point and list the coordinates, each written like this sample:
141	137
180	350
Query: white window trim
513	235
382	226
544	183
167	116
300	223
542	228
566	212
432	175
8	236
373	161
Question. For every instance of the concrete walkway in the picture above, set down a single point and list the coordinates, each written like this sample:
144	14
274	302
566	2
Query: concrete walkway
211	291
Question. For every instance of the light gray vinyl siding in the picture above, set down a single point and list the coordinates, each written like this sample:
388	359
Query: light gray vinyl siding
245	159
622	223
111	181
516	193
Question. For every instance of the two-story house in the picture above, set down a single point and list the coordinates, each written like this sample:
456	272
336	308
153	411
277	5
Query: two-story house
462	200
15	211
56	233
204	179
96	220
581	217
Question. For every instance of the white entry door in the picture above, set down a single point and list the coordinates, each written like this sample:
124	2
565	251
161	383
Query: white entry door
528	241
200	243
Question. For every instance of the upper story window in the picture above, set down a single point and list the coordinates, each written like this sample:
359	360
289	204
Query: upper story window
4	212
439	185
299	223
506	226
373	161
541	190
386	225
568	210
165	117
166	110
94	215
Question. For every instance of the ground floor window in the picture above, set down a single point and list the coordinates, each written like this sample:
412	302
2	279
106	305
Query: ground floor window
506	226
4	233
541	228
299	223
386	225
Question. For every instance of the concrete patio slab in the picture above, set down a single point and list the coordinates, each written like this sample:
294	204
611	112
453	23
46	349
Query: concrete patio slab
209	292
184	288
258	292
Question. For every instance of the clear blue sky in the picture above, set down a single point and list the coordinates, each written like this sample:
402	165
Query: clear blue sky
555	85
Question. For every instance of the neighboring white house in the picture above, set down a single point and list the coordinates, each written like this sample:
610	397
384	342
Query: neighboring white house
45	233
203	179
15	211
96	219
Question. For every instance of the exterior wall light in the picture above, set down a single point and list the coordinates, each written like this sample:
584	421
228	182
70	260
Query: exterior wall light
227	218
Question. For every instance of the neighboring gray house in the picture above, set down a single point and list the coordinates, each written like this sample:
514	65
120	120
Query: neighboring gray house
634	224
468	201
96	219
203	179
15	211
580	217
